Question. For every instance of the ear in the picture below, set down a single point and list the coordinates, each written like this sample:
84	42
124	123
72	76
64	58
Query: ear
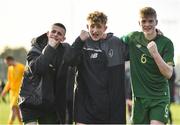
105	28
87	26
64	38
139	23
156	22
47	33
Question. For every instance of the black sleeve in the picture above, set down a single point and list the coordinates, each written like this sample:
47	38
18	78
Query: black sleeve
73	54
38	61
125	50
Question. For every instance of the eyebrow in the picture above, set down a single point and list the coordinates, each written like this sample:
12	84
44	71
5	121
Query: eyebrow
57	32
147	20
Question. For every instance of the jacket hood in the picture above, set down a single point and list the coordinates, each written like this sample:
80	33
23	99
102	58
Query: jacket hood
109	35
40	42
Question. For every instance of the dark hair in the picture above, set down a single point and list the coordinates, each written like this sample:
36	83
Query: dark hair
60	25
9	58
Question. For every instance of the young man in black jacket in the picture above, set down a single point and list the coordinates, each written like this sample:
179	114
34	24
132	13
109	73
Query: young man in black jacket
43	92
100	60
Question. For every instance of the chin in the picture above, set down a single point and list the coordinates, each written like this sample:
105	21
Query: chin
95	39
148	31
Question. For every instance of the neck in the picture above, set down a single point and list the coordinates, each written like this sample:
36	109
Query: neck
150	36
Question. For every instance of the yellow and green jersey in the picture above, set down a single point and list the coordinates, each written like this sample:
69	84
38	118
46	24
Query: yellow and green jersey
147	81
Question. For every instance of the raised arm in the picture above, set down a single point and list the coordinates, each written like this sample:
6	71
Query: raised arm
165	68
74	53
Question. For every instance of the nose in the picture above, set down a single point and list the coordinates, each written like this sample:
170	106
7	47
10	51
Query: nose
95	29
147	23
56	33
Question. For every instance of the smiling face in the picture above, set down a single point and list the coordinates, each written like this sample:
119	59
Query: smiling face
57	33
148	20
148	25
96	25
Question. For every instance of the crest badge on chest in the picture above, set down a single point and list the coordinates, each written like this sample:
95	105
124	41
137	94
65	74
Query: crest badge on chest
110	53
138	45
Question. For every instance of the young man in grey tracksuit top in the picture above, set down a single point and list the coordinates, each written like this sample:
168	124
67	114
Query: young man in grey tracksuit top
100	61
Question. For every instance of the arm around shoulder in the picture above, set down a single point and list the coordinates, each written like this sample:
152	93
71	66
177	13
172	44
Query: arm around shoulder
74	52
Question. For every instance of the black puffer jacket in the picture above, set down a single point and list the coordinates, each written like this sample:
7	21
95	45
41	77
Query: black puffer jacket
44	83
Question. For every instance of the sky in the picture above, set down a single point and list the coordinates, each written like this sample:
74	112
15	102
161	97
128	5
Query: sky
22	20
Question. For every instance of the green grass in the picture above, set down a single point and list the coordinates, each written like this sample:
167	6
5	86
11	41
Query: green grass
4	113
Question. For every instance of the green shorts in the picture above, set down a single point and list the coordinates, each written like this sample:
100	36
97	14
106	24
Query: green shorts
145	110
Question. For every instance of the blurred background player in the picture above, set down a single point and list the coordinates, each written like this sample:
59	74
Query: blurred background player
14	78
